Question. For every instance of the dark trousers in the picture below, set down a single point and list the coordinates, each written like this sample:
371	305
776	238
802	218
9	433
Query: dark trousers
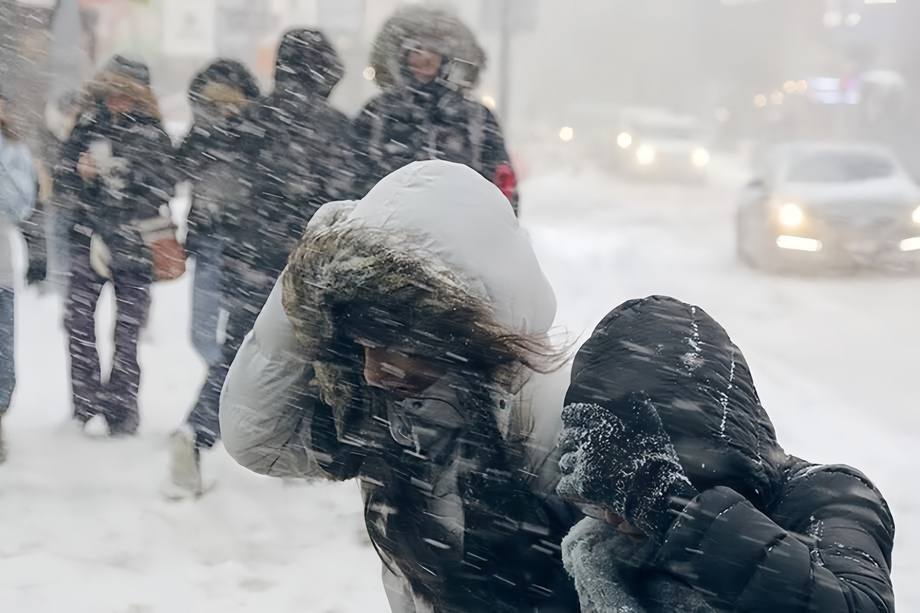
114	397
7	348
243	299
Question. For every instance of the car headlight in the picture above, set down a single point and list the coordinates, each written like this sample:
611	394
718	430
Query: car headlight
700	157
566	134
646	155
791	215
624	140
916	215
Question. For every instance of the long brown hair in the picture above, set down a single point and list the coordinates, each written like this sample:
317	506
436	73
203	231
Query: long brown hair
7	125
107	83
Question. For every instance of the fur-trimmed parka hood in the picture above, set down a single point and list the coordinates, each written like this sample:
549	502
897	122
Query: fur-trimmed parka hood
433	257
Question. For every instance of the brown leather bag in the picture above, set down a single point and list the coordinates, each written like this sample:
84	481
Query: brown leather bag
168	253
168	259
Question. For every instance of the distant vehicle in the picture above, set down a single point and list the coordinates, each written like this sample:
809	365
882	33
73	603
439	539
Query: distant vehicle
661	145
817	205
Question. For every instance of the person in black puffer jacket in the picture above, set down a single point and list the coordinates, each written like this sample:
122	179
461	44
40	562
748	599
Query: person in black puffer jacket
427	61
215	159
212	160
297	141
116	175
666	437
290	144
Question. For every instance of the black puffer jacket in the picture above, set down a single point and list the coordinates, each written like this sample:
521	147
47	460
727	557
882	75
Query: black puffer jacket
139	183
214	158
296	139
769	532
410	122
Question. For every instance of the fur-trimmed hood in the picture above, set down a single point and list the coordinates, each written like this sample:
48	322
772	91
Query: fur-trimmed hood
123	75
432	29
433	255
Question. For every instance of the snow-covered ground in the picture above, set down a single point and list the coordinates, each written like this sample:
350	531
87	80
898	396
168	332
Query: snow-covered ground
83	527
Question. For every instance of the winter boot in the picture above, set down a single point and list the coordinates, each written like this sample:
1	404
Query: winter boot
184	465
123	422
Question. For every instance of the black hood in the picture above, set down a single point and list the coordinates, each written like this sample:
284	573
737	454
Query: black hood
224	72
700	383
307	62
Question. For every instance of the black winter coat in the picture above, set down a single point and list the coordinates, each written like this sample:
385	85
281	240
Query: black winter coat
139	183
295	140
404	125
215	160
769	532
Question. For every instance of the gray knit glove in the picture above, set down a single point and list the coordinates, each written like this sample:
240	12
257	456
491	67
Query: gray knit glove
626	464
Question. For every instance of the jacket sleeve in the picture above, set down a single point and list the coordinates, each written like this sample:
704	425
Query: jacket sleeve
18	185
333	160
152	170
496	162
837	561
360	155
68	184
265	406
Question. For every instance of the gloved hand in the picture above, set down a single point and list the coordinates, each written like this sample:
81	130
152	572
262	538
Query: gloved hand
627	465
37	271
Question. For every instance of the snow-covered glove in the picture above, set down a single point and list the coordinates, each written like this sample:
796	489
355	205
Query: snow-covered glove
100	257
627	465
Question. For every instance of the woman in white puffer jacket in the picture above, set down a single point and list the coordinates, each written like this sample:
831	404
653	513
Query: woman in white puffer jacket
403	347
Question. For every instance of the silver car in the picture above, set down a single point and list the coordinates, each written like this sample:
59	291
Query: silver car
829	206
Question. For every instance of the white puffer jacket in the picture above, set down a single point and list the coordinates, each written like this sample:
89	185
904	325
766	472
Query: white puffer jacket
447	215
456	231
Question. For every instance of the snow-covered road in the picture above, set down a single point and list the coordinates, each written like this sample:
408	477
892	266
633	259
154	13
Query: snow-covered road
83	527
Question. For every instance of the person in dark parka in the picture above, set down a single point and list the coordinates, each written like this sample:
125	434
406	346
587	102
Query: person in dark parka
211	159
298	141
427	61
116	174
291	143
215	159
664	432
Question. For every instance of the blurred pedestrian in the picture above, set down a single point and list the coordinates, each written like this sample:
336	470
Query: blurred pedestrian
427	62
214	159
404	346
18	183
293	147
666	437
116	169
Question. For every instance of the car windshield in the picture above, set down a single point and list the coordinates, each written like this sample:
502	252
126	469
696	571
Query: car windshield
840	167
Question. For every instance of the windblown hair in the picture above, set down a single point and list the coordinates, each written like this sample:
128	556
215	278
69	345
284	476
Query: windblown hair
9	130
7	125
108	83
345	283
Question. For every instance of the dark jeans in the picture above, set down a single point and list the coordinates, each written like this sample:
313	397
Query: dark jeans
116	398
207	296
7	349
243	299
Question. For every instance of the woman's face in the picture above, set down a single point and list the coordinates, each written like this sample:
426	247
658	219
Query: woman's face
119	104
424	65
399	372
